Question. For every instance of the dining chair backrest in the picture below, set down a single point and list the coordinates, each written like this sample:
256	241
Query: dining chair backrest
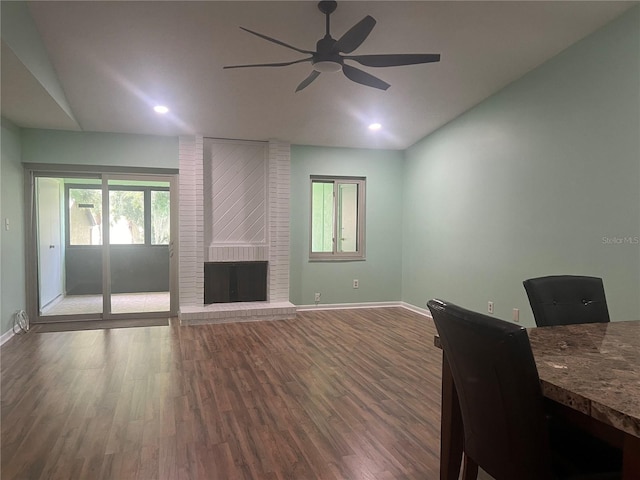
501	402
567	299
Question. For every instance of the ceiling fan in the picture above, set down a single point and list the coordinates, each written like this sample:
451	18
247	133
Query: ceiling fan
329	55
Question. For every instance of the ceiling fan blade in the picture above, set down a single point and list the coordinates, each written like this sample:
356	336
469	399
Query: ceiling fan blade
278	42
305	83
281	64
394	60
356	35
364	78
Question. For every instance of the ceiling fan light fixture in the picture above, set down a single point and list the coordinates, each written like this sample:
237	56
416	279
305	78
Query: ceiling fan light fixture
327	67
161	109
375	126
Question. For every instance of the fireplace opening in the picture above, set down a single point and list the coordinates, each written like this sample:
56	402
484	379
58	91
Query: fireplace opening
226	282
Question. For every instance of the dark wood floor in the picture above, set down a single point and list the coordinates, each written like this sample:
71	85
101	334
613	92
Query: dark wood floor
352	394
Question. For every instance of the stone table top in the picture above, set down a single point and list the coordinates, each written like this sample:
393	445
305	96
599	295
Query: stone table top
593	368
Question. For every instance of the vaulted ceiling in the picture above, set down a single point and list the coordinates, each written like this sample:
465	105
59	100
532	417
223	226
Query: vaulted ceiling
114	61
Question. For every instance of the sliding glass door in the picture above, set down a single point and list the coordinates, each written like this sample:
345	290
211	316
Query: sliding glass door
69	239
101	247
139	245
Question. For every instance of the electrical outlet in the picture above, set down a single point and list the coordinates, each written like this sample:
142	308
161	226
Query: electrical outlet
490	307
356	283
516	315
317	297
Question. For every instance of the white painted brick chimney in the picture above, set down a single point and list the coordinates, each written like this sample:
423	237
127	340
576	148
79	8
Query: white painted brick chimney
245	217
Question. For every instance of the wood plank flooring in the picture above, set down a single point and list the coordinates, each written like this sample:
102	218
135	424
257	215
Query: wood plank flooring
350	394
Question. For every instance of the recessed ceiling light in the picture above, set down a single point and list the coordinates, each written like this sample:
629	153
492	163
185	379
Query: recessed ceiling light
375	126
160	109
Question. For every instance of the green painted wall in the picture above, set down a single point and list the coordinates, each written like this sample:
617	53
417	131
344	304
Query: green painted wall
104	149
12	241
380	273
536	180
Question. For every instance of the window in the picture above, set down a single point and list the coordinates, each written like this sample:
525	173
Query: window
337	218
85	216
159	217
139	215
126	221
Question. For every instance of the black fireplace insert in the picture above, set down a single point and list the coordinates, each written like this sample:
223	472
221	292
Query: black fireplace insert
226	282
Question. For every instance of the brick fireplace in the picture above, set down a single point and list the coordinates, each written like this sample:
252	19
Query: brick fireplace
234	208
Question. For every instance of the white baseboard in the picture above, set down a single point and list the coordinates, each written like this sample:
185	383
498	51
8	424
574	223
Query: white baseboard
52	303
346	306
6	336
413	308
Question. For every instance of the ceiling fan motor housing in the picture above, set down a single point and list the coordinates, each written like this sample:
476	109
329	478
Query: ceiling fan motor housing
327	58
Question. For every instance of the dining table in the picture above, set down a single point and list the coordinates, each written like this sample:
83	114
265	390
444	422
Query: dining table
589	373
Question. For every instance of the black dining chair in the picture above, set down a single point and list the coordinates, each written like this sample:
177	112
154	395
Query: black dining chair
507	431
567	299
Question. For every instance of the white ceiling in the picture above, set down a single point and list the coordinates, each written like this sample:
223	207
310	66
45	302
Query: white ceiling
115	60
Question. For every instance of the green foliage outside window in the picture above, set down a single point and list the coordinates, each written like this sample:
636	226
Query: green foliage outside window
160	219
126	221
322	212
85	216
128	216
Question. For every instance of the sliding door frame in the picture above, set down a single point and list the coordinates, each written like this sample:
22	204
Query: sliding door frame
33	171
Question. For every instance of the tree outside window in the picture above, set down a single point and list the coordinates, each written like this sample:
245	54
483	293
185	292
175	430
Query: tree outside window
138	215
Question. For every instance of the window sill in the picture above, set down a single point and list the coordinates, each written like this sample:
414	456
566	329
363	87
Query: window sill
336	259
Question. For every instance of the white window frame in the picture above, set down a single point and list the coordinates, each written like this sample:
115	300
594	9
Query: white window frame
335	255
